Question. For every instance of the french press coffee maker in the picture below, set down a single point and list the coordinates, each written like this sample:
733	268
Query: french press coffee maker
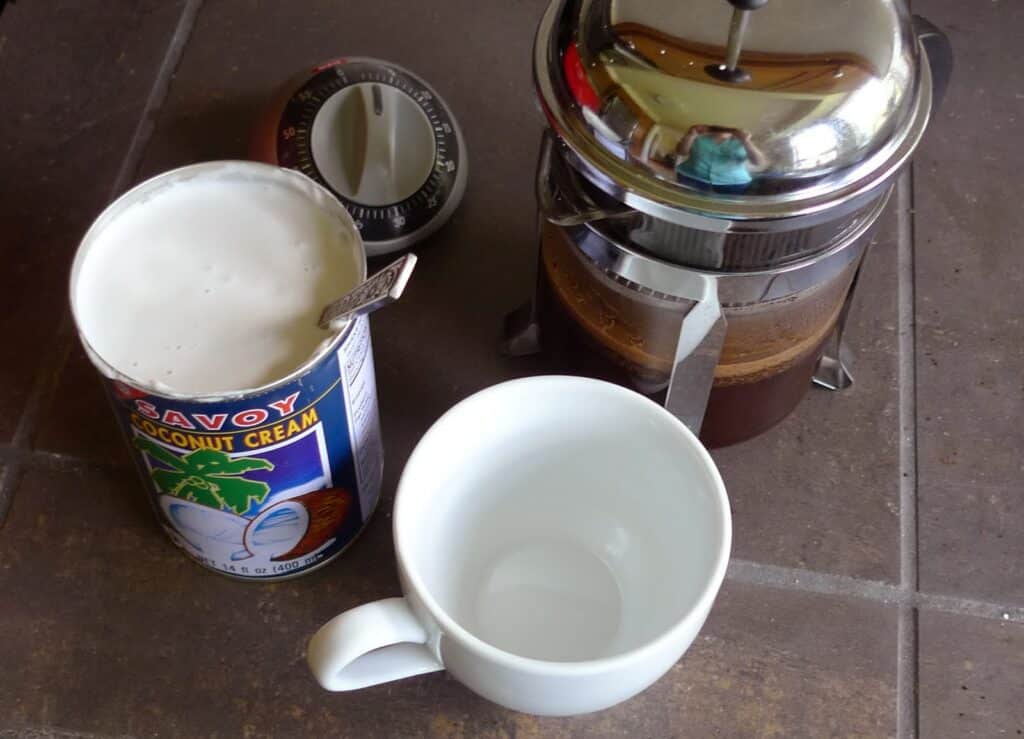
708	187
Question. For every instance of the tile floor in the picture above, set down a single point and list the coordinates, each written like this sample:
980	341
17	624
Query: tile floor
877	587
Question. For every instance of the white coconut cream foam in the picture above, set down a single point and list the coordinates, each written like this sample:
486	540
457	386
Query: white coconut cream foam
212	282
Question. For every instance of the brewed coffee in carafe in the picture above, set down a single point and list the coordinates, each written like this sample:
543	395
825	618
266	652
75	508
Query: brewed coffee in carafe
621	332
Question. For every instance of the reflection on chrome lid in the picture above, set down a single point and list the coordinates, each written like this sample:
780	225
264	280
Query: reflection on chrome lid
821	100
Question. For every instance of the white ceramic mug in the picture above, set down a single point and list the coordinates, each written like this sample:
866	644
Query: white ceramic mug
560	542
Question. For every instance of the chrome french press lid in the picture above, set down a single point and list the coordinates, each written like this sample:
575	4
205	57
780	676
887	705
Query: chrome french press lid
698	110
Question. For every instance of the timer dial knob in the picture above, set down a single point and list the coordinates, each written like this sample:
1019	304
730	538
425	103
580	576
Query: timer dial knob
382	141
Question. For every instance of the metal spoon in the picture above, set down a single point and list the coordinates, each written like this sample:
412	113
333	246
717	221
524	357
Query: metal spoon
382	289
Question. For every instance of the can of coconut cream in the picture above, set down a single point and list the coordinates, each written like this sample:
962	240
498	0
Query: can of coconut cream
256	433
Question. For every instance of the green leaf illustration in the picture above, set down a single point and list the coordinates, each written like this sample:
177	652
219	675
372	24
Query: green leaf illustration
208	477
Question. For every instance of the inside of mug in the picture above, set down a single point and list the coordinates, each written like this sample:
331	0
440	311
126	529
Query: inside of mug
561	519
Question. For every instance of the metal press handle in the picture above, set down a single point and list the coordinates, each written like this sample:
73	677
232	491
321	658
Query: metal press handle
560	200
730	71
738	29
697	353
940	57
701	334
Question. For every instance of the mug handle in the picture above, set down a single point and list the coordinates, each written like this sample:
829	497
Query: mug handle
370	644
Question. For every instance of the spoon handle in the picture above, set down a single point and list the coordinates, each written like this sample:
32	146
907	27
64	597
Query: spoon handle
383	288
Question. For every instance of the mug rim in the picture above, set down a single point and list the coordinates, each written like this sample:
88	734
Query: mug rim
451	628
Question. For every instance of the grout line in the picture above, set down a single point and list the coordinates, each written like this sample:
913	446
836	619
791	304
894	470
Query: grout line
39	459
907	698
907	385
966	607
907	635
788	578
823	583
46	380
9	477
157	97
18	454
52	732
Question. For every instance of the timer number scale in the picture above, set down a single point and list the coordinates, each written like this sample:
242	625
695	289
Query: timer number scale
383	142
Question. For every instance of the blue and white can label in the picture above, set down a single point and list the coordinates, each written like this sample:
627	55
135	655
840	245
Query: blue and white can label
270	484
